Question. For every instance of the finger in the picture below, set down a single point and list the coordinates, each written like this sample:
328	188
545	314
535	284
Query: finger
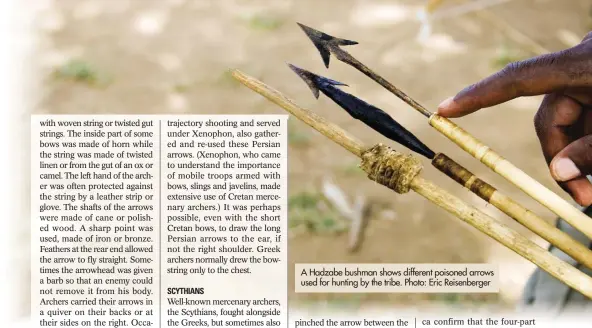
582	95
571	165
553	120
580	190
573	161
535	76
552	123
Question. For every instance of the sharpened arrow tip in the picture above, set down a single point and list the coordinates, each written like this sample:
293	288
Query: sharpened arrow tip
306	28
294	68
322	37
313	80
302	72
324	42
308	77
313	34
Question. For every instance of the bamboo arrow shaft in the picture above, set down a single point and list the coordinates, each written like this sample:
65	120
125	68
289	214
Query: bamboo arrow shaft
504	235
501	166
481	221
481	152
514	210
388	127
326	128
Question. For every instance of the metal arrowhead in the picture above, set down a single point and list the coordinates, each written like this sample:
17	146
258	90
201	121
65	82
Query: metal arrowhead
313	80
325	43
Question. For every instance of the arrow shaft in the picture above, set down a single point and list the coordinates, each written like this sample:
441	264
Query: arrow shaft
469	214
347	58
514	210
383	123
478	150
519	178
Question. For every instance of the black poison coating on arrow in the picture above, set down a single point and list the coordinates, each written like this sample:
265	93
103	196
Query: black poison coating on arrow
372	116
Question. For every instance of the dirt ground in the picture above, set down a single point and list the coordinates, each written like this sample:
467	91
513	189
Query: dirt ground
172	56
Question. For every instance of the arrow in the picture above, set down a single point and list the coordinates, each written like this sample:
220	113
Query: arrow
405	171
383	123
327	45
372	116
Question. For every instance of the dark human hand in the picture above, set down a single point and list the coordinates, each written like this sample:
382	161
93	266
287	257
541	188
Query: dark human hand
564	120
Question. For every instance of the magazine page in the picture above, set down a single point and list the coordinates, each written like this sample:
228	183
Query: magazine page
289	163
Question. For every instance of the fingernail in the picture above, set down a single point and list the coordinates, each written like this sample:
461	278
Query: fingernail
446	104
564	169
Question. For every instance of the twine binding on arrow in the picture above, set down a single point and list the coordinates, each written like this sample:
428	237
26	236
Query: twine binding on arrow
390	168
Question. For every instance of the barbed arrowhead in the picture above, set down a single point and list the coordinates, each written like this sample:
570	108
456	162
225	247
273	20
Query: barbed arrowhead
313	80
325	43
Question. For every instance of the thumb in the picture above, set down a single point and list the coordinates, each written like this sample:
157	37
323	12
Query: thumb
570	168
573	161
536	76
